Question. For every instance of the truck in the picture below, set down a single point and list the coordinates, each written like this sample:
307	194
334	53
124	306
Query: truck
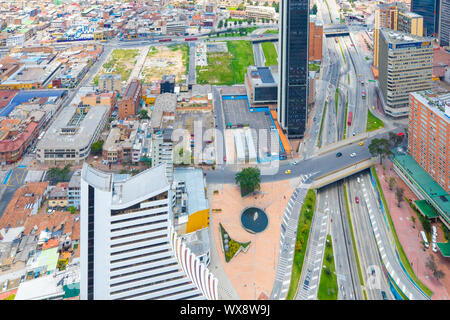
425	240
349	118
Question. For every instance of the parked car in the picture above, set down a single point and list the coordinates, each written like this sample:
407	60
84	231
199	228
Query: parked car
339	154
5	285
356	199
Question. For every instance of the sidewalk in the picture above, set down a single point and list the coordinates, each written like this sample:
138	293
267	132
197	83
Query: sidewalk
409	237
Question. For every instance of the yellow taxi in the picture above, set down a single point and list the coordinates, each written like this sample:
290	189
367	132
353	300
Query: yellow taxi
361	143
287	172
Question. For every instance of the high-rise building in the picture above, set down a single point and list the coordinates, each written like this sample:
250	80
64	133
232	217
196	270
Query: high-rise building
444	23
395	16
429	135
429	10
129	105
293	67
162	151
129	249
315	39
405	65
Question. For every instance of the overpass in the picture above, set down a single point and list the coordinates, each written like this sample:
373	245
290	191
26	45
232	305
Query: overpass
332	30
268	38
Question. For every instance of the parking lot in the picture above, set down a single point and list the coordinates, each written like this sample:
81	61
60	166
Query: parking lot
237	113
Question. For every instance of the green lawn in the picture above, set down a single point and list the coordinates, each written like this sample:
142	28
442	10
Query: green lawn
227	68
402	254
270	53
345	120
314	67
304	226
373	123
272	31
328	286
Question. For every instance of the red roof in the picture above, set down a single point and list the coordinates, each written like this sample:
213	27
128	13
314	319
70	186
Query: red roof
6	96
12	145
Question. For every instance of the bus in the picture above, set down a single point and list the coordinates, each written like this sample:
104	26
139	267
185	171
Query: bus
190	39
165	40
363	94
425	240
362	82
349	118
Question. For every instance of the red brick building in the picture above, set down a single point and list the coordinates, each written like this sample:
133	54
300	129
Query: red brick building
315	40
429	134
17	140
129	104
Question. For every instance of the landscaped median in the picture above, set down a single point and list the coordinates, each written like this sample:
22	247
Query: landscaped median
328	286
270	53
403	258
373	123
304	226
355	250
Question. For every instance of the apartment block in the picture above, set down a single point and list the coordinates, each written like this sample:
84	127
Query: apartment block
405	65
429	134
129	249
129	105
162	151
109	82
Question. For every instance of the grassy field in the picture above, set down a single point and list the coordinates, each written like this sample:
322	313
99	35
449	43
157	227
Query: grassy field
304	226
270	53
272	31
227	68
402	254
373	123
328	287
121	62
314	67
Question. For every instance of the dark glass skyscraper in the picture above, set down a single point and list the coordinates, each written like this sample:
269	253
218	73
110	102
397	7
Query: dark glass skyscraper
429	10
444	25
293	66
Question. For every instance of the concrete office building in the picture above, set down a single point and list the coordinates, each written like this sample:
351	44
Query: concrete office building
260	12
444	23
129	105
405	66
293	67
261	85
429	134
68	140
395	16
429	10
129	250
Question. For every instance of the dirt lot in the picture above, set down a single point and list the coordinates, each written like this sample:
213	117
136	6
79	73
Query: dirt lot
163	60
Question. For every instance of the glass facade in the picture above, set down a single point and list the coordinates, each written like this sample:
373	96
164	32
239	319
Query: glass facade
294	73
444	27
266	94
429	10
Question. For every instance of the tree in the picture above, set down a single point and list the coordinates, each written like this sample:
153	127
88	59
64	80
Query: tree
143	114
399	194
314	9
57	175
431	264
276	6
97	147
235	22
379	147
72	209
266	4
241	7
220	25
395	140
426	224
392	183
328	257
413	219
248	179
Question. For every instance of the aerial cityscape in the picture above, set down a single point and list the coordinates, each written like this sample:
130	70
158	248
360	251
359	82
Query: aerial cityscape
225	150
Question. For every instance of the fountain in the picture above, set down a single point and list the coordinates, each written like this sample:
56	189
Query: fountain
254	220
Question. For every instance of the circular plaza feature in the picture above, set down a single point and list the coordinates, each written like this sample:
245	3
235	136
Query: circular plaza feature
254	220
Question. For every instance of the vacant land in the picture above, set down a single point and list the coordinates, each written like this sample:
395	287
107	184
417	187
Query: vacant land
270	53
163	60
121	62
227	68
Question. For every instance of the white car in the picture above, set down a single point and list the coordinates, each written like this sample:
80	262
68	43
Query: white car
294	163
352	155
434	247
433	228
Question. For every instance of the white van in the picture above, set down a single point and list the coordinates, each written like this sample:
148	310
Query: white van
433	228
424	238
